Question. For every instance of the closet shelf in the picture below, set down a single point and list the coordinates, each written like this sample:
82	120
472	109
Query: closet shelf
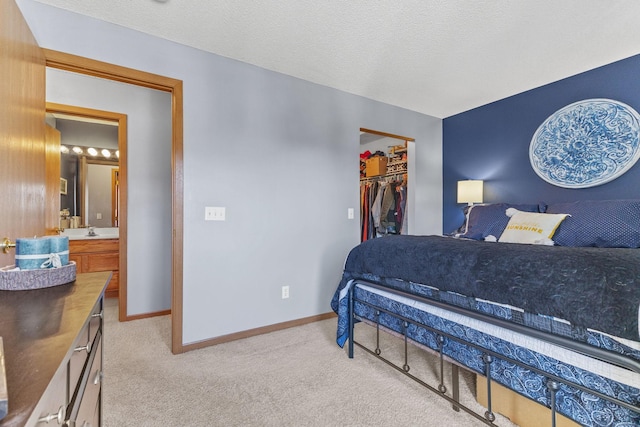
399	174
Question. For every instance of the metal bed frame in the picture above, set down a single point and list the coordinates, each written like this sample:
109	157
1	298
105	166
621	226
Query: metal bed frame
553	382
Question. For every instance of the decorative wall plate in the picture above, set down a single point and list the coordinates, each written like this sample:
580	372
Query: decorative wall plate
586	143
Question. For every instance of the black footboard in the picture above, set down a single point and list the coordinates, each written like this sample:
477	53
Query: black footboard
446	345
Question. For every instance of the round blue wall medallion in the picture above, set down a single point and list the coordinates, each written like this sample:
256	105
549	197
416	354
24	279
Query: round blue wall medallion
586	143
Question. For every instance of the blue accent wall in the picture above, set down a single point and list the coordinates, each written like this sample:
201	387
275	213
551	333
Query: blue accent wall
491	142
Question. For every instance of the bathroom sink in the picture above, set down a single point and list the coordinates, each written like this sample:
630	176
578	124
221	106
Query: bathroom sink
83	233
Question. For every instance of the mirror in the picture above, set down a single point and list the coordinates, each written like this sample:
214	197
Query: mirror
92	191
89	172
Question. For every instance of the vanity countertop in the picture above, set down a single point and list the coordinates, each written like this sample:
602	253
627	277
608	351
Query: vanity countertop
83	233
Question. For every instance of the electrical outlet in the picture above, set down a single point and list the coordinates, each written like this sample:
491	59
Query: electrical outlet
285	292
214	213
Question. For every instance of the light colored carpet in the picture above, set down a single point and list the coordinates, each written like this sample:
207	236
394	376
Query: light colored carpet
293	377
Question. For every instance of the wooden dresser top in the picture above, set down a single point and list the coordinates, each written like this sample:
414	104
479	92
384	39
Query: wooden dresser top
38	328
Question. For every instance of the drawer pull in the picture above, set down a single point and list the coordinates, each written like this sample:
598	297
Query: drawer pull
84	347
59	417
97	378
100	315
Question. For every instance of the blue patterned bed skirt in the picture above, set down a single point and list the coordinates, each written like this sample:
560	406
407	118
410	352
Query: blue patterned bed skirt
579	405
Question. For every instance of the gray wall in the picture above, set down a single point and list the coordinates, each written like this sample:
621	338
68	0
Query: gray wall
281	154
85	134
99	196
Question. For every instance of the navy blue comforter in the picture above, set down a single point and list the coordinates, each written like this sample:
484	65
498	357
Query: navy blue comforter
596	288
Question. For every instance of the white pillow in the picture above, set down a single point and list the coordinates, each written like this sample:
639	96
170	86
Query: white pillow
531	227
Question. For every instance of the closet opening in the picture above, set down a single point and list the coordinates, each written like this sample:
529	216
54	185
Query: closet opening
384	179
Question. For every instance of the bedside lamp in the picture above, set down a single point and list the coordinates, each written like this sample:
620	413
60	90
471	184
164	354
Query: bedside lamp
470	191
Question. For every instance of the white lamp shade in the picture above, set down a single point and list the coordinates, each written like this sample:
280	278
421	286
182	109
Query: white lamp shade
470	191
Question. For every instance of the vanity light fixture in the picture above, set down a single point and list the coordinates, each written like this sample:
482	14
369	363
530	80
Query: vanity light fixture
94	152
470	191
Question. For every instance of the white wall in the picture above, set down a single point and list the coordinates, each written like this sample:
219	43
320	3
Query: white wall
281	154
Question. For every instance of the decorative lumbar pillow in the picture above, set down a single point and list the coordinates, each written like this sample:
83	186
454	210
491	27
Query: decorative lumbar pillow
530	227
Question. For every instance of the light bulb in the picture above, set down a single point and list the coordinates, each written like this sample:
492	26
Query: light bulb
106	153
92	151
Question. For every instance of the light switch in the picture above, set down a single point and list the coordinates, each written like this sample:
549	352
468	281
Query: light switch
214	213
350	213
98	216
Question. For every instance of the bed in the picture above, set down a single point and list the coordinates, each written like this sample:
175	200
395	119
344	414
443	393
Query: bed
542	299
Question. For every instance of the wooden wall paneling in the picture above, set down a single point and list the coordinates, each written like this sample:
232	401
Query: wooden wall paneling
22	129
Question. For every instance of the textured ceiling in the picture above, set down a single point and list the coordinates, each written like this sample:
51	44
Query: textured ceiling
438	57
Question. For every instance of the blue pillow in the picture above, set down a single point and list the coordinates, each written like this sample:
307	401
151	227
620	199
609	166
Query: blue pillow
460	230
491	219
599	223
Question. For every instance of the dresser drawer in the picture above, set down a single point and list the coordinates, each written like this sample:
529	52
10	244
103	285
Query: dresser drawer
83	347
52	407
89	402
81	351
95	320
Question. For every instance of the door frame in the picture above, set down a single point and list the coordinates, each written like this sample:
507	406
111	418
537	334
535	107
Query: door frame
116	191
387	135
121	120
410	144
91	67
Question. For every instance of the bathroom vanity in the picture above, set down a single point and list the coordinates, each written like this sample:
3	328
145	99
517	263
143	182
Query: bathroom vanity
98	252
53	353
97	255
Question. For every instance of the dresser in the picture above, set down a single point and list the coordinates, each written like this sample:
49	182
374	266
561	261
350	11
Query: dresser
53	353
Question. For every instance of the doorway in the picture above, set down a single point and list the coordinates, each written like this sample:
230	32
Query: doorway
86	66
384	180
79	201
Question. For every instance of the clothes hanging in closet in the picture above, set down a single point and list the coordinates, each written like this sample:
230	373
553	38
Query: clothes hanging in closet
383	207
